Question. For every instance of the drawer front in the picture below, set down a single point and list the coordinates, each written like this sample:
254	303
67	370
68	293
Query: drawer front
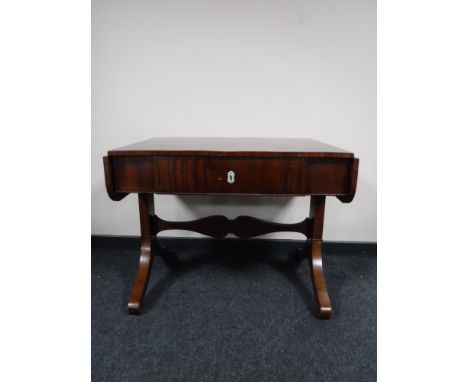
231	176
293	176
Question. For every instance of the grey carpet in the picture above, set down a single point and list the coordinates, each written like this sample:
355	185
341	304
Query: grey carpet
233	310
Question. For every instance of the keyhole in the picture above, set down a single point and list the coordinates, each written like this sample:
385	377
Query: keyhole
231	177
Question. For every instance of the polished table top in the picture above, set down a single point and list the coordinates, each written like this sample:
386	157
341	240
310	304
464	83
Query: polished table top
252	147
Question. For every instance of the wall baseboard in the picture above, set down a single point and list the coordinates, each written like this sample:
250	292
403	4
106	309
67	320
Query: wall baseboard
133	242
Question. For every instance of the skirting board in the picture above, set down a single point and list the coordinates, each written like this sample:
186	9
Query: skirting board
133	242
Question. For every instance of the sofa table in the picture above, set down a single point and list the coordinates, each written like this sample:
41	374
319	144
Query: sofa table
231	166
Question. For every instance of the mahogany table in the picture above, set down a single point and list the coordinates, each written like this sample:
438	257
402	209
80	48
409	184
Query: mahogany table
231	166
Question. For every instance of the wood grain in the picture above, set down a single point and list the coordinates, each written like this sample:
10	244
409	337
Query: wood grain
254	176
110	188
324	309
243	226
348	198
146	204
273	166
317	210
232	147
135	304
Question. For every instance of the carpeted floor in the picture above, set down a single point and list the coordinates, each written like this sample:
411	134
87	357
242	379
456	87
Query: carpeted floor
233	310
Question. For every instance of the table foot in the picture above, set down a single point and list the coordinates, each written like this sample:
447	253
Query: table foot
135	303
318	281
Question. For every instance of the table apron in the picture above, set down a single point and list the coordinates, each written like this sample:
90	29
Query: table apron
263	176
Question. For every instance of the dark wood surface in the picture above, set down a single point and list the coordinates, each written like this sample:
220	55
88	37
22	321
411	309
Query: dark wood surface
261	176
353	177
231	166
110	187
232	147
317	210
243	226
254	176
146	206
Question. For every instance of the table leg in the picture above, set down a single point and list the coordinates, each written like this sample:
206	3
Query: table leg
150	225
317	208
146	259
318	281
146	204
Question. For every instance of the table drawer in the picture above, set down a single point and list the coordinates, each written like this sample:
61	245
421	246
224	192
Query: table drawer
293	176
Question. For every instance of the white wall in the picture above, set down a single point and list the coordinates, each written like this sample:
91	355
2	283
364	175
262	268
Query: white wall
235	68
